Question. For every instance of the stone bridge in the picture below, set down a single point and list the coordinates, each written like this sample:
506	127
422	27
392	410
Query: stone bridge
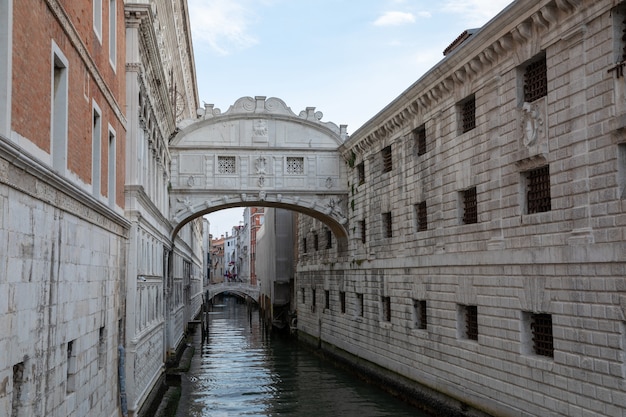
259	153
238	288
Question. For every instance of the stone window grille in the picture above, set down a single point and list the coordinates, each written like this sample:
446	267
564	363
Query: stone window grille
360	168
469	321
342	300
468	114
419	309
70	382
538	190
387	225
419	135
541	327
295	165
327	299
535	80
329	239
18	385
226	165
386	304
363	231
360	304
386	157
470	206
422	216
101	348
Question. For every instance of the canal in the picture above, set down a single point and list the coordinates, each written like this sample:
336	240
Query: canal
244	371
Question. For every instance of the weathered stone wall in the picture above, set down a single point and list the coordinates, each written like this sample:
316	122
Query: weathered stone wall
512	266
62	263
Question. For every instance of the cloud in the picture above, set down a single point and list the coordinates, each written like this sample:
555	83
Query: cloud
222	24
477	12
394	19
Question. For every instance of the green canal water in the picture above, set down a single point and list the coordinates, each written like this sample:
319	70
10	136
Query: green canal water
242	370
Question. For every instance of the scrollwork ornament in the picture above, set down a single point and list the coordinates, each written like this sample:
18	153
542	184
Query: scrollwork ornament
531	124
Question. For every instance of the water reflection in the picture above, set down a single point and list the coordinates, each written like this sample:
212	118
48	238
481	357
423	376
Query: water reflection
242	371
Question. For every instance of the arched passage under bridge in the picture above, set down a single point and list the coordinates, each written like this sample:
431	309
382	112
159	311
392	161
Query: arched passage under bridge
260	153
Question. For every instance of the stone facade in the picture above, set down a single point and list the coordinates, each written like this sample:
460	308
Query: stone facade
91	271
487	223
62	232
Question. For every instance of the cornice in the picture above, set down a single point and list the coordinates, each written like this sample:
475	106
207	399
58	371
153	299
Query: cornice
72	34
514	26
50	187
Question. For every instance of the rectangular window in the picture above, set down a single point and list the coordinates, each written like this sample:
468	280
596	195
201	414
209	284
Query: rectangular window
363	231
226	165
70	382
621	170
295	165
96	147
541	327
419	137
359	304
59	111
387	226
18	386
360	169
316	242
538	190
386	308
97	18
112	168
468	114
329	239
470	206
303	295
468	322
304	245
342	300
535	80
102	343
327	299
419	314
421	216
313	298
113	32
619	38
386	159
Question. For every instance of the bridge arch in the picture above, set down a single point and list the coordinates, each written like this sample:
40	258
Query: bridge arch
259	153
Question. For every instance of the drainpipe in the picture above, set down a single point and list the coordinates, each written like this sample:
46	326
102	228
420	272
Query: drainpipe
122	380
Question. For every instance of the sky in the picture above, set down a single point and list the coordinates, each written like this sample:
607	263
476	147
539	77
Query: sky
346	58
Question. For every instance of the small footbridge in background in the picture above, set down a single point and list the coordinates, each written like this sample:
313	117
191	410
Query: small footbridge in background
240	289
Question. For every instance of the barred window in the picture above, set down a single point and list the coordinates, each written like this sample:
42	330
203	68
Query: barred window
535	80
386	306
387	226
419	136
342	300
327	299
419	312
360	305
226	165
386	157
295	165
363	231
470	206
468	321
422	216
538	190
468	114
361	172
541	327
